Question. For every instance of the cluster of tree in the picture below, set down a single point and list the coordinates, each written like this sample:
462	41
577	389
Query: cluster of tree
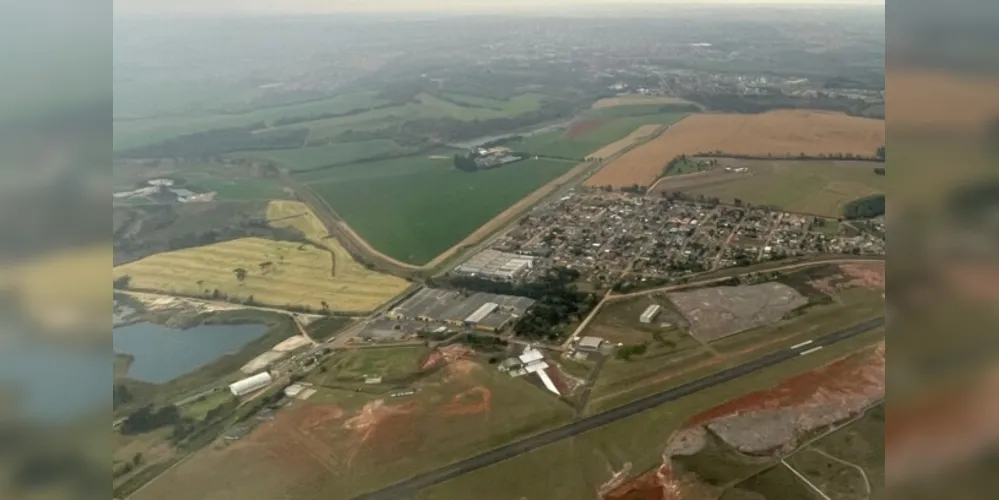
865	208
120	395
800	156
700	198
451	129
291	120
634	189
628	351
219	142
121	282
147	419
128	466
751	104
484	342
465	163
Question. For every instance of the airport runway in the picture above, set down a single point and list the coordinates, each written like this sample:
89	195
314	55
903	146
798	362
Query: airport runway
408	488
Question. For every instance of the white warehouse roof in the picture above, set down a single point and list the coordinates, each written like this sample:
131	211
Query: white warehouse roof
480	313
250	384
531	356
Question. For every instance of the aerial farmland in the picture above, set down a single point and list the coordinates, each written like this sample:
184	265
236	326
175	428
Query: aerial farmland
316	273
777	134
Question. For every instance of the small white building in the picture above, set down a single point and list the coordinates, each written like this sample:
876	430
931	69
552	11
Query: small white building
650	313
590	343
250	384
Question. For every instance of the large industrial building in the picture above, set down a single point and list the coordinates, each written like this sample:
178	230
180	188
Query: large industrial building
250	384
485	311
497	266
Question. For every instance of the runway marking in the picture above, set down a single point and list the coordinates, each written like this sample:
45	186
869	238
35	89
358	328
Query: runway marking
803	353
803	344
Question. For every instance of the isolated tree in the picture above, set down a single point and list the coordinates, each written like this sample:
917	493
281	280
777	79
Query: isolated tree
240	273
326	306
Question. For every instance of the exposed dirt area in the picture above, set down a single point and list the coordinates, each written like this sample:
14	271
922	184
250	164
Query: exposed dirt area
454	358
766	422
377	425
561	383
471	402
581	127
639	100
863	275
719	312
777	133
830	394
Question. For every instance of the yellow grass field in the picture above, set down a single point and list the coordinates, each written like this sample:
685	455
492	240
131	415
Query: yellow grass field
618	146
278	273
637	100
777	133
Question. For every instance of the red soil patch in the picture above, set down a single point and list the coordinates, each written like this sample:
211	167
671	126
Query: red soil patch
850	383
867	275
433	360
854	379
295	440
471	402
375	420
581	127
454	357
661	484
560	383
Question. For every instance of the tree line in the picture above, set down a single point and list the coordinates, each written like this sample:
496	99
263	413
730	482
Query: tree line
221	141
865	208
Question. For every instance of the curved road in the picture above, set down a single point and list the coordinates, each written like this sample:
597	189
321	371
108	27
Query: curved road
408	488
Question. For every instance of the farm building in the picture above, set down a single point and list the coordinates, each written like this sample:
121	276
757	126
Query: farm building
497	266
250	384
590	343
650	313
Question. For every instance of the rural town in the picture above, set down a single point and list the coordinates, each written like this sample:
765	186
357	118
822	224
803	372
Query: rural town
388	257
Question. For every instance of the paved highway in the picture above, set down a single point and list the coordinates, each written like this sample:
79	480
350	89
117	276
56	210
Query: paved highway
408	488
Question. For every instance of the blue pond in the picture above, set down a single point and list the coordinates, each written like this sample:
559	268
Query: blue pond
161	354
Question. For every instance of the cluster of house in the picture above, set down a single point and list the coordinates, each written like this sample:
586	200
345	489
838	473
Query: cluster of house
486	158
163	190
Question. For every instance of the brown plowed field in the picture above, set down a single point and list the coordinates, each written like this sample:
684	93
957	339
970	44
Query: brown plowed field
777	133
581	127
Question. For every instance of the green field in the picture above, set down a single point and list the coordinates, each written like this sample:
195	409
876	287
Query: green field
416	207
140	132
232	188
576	467
814	187
556	144
424	107
316	157
390	363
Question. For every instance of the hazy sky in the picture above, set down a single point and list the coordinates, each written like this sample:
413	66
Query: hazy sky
303	6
